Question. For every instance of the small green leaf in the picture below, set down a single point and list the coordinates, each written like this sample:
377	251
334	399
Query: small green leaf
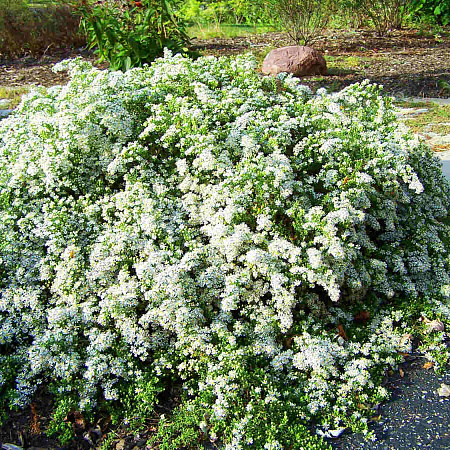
127	63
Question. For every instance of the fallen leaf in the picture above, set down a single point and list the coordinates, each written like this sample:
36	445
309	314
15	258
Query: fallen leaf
120	445
428	365
79	419
336	433
402	374
103	422
444	390
341	332
88	439
76	419
362	316
403	353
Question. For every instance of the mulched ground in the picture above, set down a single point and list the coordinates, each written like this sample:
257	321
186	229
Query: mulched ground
406	63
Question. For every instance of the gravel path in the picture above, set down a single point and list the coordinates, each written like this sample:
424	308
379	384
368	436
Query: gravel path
415	417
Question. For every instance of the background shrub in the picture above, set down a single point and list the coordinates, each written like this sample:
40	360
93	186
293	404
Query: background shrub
437	10
31	30
229	11
386	15
303	20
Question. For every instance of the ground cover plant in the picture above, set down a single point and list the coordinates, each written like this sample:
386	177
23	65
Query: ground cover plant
193	231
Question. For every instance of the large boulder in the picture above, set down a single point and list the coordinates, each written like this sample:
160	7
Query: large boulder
299	60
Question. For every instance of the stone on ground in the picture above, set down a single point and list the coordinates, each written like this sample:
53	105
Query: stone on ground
299	60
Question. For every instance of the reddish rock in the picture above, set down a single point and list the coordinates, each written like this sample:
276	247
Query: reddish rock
299	60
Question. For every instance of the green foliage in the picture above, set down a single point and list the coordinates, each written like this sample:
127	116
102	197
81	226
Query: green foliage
9	368
438	10
256	417
137	399
107	441
130	34
224	11
59	427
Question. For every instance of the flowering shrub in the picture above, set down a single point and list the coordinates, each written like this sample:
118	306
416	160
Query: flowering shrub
193	228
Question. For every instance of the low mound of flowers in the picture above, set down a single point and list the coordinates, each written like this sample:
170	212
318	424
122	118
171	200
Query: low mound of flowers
234	246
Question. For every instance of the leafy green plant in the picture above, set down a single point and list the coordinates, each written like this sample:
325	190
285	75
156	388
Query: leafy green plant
59	427
437	10
130	34
444	85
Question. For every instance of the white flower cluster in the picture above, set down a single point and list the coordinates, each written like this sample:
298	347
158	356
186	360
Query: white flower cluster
162	218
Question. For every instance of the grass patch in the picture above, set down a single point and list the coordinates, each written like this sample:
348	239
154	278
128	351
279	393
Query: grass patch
221	30
13	95
344	65
261	53
409	104
443	128
438	116
435	120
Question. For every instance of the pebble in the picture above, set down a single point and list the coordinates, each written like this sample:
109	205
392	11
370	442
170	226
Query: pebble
5	113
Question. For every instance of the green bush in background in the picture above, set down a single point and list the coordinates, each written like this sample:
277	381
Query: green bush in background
303	20
225	11
129	34
386	15
438	10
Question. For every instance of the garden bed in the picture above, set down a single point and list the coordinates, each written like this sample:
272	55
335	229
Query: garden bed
407	62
